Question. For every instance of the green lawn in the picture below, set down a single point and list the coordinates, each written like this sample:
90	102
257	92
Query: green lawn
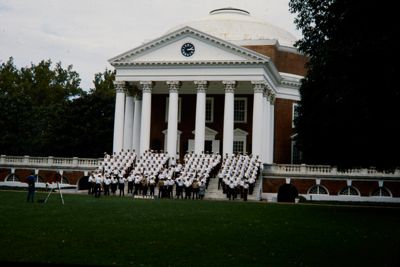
116	231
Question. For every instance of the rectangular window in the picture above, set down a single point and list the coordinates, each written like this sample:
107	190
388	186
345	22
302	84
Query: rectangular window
238	147
240	109
295	155
295	114
210	109
179	109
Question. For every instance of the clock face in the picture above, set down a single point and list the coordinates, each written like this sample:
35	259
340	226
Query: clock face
187	49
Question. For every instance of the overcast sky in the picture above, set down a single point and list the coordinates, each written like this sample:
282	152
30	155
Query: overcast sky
86	33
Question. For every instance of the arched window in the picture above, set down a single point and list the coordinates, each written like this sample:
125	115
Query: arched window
64	180
12	178
349	191
381	192
39	179
318	190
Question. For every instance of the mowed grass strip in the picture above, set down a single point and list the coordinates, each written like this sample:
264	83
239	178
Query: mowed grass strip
121	231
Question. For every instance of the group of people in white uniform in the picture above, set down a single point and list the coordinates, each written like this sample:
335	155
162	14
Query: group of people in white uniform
111	173
190	180
238	175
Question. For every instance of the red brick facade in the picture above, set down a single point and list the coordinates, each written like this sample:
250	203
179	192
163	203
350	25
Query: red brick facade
284	61
366	188
44	175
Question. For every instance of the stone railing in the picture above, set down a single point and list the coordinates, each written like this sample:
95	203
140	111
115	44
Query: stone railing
325	170
49	162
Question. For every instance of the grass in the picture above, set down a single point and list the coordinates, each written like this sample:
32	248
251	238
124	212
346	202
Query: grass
114	231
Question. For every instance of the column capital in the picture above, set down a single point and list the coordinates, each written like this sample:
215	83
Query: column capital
146	86
138	95
258	86
201	86
229	86
119	86
131	89
173	86
266	93
272	98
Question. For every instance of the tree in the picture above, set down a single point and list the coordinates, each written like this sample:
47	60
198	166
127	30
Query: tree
88	122
348	112
30	99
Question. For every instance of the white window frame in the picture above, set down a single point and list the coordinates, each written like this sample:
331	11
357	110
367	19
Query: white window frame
240	136
243	148
349	187
211	99
292	144
179	108
381	188
245	109
318	186
294	106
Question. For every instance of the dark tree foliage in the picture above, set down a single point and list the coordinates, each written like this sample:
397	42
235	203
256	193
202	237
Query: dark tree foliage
349	108
94	112
44	112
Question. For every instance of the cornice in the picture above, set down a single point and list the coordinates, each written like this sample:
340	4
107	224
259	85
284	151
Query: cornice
293	84
198	62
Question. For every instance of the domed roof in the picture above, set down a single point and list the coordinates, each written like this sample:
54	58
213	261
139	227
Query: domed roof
234	24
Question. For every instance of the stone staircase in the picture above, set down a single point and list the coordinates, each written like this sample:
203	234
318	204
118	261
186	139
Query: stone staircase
213	193
256	196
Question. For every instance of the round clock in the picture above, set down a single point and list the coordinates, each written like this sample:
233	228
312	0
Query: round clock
187	49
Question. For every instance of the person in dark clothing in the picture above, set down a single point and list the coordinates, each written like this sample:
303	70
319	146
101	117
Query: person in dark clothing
245	191
31	187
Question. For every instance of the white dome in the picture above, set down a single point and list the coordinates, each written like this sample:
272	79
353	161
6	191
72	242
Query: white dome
232	24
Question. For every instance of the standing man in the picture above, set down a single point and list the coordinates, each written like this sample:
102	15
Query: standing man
31	187
121	184
97	187
107	182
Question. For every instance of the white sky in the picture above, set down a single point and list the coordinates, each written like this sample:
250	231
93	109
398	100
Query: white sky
86	33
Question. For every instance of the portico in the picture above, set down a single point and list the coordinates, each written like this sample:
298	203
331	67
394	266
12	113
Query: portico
179	98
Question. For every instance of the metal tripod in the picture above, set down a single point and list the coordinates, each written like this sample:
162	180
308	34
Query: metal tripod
51	190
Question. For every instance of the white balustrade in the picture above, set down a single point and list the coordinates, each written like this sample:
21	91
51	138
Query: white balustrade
44	162
325	170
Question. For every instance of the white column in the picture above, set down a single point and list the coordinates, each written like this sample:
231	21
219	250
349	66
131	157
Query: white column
128	124
172	119
146	87
266	127
258	88
137	122
272	131
227	144
200	127
119	116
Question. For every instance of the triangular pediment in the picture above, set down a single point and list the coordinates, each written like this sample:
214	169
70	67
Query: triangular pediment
240	132
205	48
207	131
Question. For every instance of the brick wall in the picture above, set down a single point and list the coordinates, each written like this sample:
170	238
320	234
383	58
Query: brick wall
284	61
45	175
283	131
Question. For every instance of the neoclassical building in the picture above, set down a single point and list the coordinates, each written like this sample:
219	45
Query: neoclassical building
225	83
